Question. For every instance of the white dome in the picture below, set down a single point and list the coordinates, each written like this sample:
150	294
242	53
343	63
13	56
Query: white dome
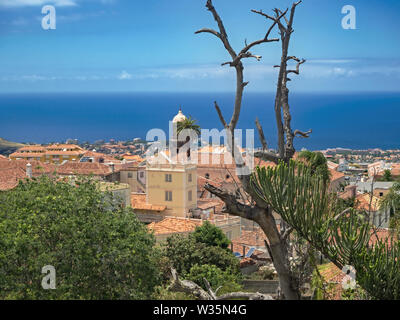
179	117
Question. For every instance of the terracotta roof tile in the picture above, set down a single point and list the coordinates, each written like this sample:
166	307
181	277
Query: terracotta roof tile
83	168
138	202
335	175
364	201
174	225
13	171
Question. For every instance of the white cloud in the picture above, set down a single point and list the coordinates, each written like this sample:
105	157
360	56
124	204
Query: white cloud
25	3
124	76
331	61
254	72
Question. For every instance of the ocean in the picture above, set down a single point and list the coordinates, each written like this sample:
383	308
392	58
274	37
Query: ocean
350	120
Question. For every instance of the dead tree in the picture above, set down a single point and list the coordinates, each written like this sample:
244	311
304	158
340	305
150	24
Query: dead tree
198	292
256	209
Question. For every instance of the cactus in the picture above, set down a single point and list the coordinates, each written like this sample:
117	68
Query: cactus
303	201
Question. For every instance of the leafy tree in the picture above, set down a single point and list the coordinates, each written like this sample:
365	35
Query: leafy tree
227	280
211	235
185	252
317	162
99	249
387	175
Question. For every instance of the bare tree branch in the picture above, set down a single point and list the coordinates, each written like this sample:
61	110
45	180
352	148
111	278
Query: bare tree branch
244	295
267	156
189	287
233	206
222	33
221	117
257	210
209	289
261	134
302	134
212	31
287	233
192	288
299	63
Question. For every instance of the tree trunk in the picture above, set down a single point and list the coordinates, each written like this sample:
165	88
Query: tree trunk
279	255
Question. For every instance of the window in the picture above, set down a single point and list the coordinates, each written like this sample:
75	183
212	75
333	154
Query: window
190	177
207	176
141	174
381	194
130	175
190	195
168	195
168	177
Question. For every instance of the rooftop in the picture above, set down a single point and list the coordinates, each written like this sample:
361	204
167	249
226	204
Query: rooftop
174	225
138	202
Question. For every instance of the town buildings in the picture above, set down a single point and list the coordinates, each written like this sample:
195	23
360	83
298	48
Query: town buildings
55	153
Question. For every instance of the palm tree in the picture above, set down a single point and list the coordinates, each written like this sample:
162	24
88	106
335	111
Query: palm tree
188	123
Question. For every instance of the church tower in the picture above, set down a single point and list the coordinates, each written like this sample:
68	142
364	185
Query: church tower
175	144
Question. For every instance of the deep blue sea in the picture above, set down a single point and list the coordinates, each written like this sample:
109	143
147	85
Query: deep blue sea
351	120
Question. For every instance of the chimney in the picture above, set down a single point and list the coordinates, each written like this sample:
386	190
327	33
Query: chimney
112	166
29	170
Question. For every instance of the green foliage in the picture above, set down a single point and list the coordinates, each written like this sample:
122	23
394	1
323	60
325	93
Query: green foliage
262	274
185	252
163	293
317	163
227	280
302	200
99	249
211	235
188	123
387	176
391	202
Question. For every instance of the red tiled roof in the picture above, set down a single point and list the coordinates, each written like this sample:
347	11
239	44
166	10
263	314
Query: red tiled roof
13	171
205	204
98	155
245	262
9	178
83	168
39	151
64	146
27	155
32	148
174	225
138	202
63	153
335	175
364	202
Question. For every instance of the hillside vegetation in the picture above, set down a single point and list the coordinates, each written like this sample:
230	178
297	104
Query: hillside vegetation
8	147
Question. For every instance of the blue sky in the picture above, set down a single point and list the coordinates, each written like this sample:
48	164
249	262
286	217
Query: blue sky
130	45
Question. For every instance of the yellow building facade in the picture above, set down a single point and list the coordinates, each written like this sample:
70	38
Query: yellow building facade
56	153
173	186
